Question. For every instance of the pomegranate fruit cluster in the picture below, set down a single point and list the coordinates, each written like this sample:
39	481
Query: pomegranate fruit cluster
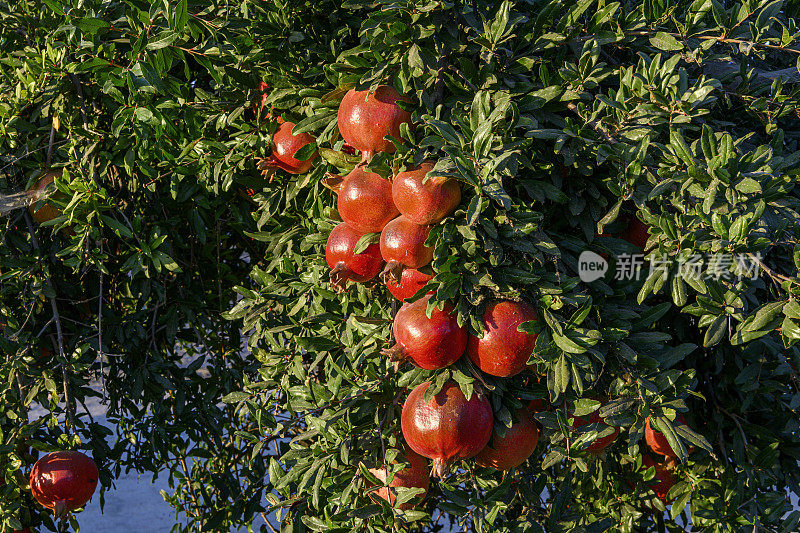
402	210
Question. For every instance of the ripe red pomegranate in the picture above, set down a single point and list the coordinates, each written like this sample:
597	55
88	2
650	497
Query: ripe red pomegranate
365	118
636	233
64	481
503	351
428	202
284	146
364	200
657	441
345	263
602	443
411	281
403	246
663	480
417	475
449	427
41	210
431	343
513	448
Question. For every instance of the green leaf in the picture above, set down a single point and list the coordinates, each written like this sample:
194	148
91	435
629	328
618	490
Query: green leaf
716	331
91	25
236	397
162	40
665	41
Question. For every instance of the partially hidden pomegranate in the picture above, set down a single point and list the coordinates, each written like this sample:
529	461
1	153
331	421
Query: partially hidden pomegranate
431	343
416	475
657	441
663	479
513	448
345	263
636	233
364	200
503	351
428	202
64	480
403	246
538	406
284	146
365	118
600	444
447	428
42	210
411	281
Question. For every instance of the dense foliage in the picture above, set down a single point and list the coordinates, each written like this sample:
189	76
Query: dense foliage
204	321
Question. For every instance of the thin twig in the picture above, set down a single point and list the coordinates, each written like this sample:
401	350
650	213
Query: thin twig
100	331
81	101
59	342
771	273
50	146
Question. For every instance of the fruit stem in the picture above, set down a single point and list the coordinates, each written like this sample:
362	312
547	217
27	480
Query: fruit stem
339	276
439	468
332	182
393	269
396	353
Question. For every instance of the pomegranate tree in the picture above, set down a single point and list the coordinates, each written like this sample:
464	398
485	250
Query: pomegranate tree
365	118
284	146
416	475
403	246
503	351
514	447
430	342
411	281
64	480
447	428
425	201
364	200
345	263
